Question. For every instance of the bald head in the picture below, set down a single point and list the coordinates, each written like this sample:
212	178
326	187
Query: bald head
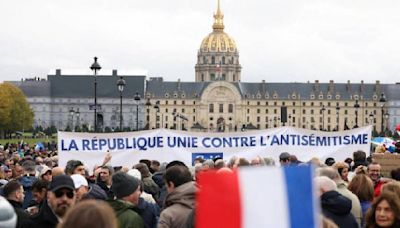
324	184
57	171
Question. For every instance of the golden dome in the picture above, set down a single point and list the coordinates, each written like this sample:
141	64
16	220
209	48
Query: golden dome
218	40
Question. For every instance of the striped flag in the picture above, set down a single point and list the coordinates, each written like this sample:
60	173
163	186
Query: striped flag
257	197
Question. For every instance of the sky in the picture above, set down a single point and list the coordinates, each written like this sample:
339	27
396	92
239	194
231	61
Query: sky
278	40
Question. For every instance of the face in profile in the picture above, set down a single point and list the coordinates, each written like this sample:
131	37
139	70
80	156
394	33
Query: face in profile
384	215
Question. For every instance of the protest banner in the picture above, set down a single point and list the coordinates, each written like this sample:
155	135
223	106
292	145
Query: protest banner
127	148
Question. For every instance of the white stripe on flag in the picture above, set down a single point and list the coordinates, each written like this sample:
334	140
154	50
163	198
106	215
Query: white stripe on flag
263	198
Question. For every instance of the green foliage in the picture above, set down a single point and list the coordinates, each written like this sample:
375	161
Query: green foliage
15	111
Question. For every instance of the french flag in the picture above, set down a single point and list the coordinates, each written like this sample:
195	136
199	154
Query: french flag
257	197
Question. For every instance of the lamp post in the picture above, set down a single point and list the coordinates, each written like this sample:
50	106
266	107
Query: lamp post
137	99
386	121
157	107
95	67
148	105
323	117
72	113
356	106
337	116
77	113
120	84
382	101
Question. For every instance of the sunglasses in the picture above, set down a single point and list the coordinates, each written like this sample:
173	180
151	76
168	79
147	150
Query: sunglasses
60	193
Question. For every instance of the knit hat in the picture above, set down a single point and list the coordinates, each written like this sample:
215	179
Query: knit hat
8	218
123	184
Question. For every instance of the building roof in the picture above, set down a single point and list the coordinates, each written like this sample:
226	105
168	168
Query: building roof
285	91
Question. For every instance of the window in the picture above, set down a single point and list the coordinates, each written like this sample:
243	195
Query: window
183	110
194	110
183	102
230	108
211	108
345	112
223	59
221	108
248	111
258	119
212	60
202	77
174	102
312	111
212	77
266	111
275	111
304	111
293	111
329	111
258	111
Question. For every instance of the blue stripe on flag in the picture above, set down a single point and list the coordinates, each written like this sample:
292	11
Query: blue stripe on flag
300	194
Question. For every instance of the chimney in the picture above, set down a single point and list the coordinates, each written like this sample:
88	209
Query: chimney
362	87
316	85
58	72
331	86
378	87
114	73
179	84
348	86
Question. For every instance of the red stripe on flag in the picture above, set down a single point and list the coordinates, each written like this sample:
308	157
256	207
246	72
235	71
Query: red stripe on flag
218	200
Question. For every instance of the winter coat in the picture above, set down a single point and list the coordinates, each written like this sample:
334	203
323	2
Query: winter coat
337	208
149	212
27	183
126	214
22	215
178	205
151	187
355	202
44	219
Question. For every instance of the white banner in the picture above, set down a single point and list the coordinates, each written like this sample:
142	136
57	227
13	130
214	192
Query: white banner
127	148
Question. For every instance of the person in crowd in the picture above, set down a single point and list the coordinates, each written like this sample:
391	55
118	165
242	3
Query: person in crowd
208	165
359	159
90	213
284	158
374	172
127	192
27	181
343	169
198	160
45	173
334	205
393	186
384	212
57	171
146	196
74	167
361	185
39	192
14	193
334	175
241	162
294	160
180	200
257	161
155	166
149	185
104	180
60	199
81	186
220	163
329	161
395	174
149	212
269	161
8	217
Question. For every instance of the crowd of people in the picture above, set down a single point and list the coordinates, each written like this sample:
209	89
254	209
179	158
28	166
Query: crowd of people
36	192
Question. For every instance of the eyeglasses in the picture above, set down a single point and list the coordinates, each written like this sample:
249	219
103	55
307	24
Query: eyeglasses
60	193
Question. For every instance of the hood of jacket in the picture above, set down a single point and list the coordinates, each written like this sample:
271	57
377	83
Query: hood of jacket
184	195
27	182
335	203
120	206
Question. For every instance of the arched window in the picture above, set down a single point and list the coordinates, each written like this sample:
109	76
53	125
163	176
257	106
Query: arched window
212	60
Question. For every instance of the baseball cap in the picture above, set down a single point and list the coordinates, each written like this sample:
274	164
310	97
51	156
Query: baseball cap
79	180
62	181
284	156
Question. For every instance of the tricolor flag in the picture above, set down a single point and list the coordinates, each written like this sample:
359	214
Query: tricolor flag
270	197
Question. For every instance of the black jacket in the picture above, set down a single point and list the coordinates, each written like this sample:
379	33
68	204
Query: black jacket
22	215
337	208
44	219
149	213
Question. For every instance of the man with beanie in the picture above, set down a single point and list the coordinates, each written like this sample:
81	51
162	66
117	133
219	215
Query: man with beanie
127	191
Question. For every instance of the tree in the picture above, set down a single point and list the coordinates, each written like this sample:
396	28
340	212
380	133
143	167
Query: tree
15	111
